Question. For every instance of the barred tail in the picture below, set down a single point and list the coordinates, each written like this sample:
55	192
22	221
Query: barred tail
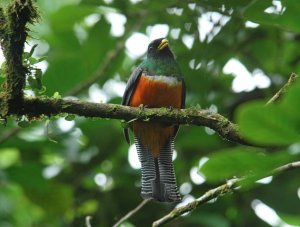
158	176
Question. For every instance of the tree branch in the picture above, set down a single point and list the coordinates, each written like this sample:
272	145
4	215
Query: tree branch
132	212
36	107
215	193
12	39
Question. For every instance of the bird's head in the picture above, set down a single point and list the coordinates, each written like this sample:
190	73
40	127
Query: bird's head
159	48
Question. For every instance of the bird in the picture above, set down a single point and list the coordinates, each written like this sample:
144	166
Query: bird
156	82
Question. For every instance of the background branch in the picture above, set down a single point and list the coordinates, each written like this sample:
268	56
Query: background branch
109	59
215	193
9	133
282	90
99	72
132	212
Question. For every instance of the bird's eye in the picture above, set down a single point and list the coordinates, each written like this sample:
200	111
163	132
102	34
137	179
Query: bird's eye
150	48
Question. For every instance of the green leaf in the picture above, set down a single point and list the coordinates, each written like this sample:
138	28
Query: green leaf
32	82
240	162
42	59
38	76
32	49
33	60
26	55
88	207
56	95
266	125
8	157
70	117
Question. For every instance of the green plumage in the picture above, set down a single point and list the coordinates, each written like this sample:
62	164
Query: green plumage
161	66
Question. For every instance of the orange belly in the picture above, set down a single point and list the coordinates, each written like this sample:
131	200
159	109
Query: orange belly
154	93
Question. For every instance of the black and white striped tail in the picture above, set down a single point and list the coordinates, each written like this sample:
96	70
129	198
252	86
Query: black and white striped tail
158	176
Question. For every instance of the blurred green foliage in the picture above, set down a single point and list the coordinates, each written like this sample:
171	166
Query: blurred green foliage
57	173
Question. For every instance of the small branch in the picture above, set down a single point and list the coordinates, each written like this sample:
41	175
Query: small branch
287	167
132	212
209	195
99	72
278	94
215	193
36	107
8	133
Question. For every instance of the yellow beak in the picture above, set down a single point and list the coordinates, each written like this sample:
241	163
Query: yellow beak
163	44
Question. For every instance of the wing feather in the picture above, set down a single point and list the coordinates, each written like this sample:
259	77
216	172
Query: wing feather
130	87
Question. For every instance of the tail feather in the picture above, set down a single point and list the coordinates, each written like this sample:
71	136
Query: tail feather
158	176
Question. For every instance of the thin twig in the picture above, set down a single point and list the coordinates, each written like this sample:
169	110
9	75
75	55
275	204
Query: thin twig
282	90
88	221
209	195
287	167
99	72
132	212
8	133
215	193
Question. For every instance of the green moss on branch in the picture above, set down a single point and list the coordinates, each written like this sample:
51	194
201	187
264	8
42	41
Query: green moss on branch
36	107
13	36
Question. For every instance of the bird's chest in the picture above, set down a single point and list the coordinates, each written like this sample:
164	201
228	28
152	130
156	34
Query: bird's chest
157	91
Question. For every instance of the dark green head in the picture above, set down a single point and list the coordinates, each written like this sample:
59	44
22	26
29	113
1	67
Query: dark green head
160	59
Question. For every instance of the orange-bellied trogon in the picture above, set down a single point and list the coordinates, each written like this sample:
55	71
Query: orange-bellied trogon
156	82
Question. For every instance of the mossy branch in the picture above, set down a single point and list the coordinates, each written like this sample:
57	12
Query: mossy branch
35	107
13	36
